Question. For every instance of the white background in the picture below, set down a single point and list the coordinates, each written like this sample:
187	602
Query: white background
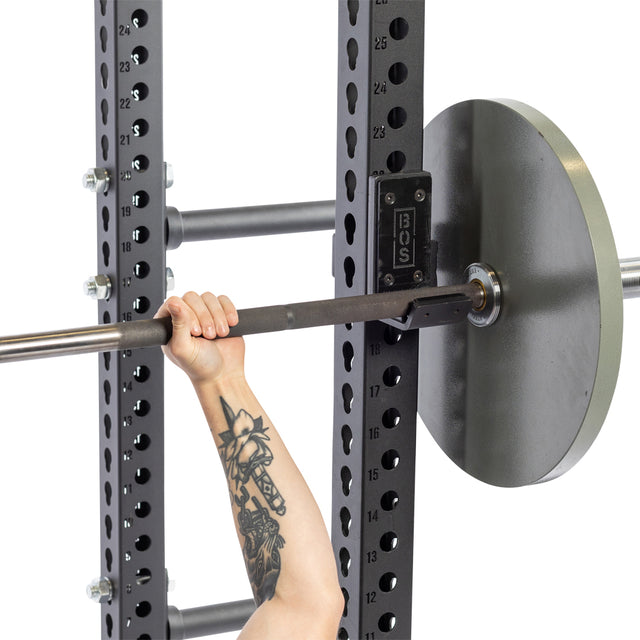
250	97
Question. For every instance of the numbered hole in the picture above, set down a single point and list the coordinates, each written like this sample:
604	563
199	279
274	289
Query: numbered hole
141	270
142	509
392	376
109	624
141	408
140	128
347	480
108	556
392	335
142	442
389	501
398	73
353	6
141	304
399	29
104	110
140	164
349	271
106	253
350	228
143	609
342	634
347	439
345	520
140	55
104	144
140	235
143	475
140	91
350	182
397	118
352	97
106	387
107	426
141	373
347	397
139	18
143	543
352	53
352	141
108	526
140	199
389	541
143	576
396	161
104	75
345	562
388	582
108	492
391	418
390	459
348	355
387	622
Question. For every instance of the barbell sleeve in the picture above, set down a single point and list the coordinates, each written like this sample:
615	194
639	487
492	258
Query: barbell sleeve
630	271
156	332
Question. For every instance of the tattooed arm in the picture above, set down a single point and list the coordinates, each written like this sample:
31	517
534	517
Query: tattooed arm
284	540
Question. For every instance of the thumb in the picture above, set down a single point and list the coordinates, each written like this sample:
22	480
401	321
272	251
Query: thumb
182	321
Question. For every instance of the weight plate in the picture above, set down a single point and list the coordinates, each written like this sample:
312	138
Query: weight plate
520	401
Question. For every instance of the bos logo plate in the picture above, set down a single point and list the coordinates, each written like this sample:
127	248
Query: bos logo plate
404	238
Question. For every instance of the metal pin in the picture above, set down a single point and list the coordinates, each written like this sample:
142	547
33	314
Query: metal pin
390	198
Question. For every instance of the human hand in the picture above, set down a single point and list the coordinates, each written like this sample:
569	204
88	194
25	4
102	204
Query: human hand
197	321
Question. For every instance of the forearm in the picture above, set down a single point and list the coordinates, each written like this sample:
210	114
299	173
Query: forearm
284	539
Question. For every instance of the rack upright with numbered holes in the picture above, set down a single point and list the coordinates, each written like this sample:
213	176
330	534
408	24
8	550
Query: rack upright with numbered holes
131	263
380	113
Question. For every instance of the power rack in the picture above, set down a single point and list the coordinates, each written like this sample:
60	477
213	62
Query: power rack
472	180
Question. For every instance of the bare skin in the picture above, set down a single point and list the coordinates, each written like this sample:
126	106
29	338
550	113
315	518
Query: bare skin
289	558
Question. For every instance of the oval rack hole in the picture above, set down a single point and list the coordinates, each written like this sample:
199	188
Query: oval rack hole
347	480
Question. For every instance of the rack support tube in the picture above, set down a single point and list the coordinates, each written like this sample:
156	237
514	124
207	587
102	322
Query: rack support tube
213	619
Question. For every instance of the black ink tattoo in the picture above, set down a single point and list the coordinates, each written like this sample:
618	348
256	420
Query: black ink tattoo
262	541
245	456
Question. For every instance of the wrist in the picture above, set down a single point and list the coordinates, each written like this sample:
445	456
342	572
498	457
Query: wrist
220	384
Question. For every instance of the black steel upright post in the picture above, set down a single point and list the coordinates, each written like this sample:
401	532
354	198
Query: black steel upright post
131	254
380	120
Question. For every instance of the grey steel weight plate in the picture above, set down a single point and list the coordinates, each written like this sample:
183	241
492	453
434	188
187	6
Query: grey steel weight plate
521	401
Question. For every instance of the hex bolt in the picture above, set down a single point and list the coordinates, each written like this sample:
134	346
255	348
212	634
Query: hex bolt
96	180
168	175
98	287
390	198
418	276
389	280
420	195
171	280
100	590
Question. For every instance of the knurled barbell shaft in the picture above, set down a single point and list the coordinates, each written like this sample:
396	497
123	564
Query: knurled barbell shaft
156	332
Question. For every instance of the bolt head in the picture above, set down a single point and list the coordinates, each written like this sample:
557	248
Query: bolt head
171	280
390	198
96	180
100	590
418	276
168	175
98	287
389	280
420	195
